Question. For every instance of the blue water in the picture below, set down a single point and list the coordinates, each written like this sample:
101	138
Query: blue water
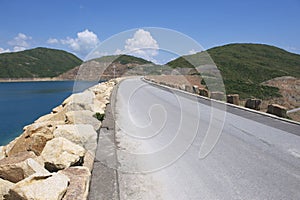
23	102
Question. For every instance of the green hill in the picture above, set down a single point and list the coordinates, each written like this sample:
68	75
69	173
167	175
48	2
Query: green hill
245	66
104	67
122	59
38	62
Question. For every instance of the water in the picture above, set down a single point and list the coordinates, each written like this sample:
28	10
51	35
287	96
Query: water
23	102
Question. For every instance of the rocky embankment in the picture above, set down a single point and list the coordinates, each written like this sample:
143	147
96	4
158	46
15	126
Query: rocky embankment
192	85
53	158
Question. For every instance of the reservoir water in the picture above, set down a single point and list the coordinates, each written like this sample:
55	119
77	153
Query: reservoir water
23	102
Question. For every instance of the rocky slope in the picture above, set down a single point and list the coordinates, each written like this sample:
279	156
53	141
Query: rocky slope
106	68
54	156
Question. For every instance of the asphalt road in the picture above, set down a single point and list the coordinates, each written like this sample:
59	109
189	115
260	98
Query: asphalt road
175	146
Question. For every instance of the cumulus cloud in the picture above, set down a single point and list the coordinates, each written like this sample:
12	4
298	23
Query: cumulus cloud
4	50
20	42
52	41
192	51
142	44
19	48
83	43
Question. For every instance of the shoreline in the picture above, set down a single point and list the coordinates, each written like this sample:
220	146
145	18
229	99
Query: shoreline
20	80
58	149
11	80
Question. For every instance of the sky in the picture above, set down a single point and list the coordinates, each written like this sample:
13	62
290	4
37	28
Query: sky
78	26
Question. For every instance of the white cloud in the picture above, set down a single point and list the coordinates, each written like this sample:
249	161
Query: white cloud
52	41
20	42
19	48
141	44
192	51
83	43
4	50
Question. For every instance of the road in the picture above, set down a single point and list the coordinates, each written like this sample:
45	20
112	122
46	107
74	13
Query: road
175	146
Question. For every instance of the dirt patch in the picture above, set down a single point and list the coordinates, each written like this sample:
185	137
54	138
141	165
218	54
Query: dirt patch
289	88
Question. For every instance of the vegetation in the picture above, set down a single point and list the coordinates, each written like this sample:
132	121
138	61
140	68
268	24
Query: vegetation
99	116
38	62
122	59
245	66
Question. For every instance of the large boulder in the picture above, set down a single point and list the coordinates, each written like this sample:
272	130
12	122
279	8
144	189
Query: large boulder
204	92
233	99
88	160
188	88
196	89
33	139
79	183
98	89
59	113
103	99
217	95
6	149
2	152
57	109
253	104
277	110
81	134
85	97
53	117
98	106
60	153
42	187
20	166
5	186
83	117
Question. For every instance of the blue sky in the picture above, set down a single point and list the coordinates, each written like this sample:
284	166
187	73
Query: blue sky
77	25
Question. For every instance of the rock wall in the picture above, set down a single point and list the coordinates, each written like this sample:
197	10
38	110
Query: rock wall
53	158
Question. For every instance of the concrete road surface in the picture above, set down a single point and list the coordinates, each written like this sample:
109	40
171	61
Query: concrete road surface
175	146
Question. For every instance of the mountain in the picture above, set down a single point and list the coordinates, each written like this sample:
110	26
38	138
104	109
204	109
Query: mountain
107	67
38	62
244	67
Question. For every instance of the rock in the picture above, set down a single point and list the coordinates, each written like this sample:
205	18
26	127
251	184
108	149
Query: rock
217	95
177	86
88	160
103	99
79	183
10	145
253	104
98	106
203	92
5	186
188	88
196	89
182	87
277	110
233	99
60	116
57	109
85	97
77	107
81	134
98	89
60	153
20	166
33	139
83	117
2	152
42	187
